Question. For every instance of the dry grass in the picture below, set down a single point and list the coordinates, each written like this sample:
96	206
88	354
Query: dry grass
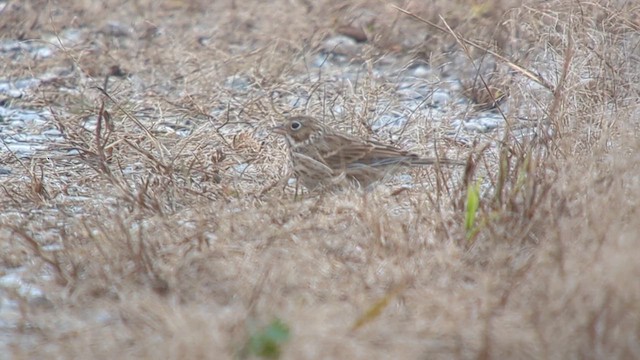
162	234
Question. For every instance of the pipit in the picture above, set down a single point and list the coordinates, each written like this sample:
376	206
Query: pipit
325	158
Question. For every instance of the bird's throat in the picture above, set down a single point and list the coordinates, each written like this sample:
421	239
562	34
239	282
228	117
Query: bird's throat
297	143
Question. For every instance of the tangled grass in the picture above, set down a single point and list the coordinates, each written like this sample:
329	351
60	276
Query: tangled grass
159	225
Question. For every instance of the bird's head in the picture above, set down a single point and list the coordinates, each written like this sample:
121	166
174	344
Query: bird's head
299	130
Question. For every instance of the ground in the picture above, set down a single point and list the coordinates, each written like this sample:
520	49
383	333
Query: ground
148	211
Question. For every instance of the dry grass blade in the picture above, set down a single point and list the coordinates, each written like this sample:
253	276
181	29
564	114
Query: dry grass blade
161	149
530	75
375	310
37	250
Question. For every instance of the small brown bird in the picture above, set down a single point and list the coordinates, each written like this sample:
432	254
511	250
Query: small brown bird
323	157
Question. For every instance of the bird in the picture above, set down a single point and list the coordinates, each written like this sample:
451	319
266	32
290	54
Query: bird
326	158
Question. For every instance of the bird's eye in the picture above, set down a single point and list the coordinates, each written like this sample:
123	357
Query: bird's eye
295	125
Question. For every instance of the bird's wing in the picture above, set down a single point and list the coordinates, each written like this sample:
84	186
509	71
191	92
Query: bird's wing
340	151
307	165
343	152
377	154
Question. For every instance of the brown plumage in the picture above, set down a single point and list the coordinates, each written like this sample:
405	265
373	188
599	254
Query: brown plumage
323	157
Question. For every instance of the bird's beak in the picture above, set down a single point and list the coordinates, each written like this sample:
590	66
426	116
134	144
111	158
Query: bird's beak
280	129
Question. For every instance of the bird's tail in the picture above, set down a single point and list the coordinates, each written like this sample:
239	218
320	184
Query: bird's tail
433	161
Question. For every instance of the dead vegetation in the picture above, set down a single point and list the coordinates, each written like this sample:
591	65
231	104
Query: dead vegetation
159	228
